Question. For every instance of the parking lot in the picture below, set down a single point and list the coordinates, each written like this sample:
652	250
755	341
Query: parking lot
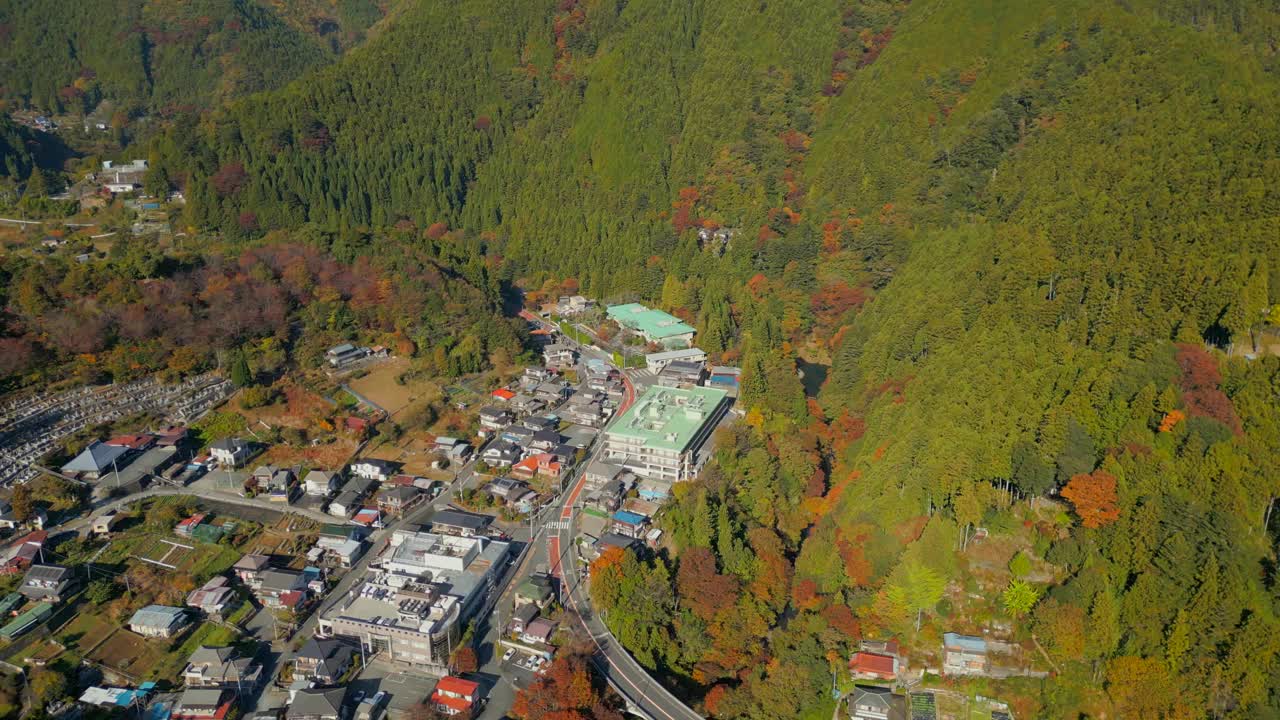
405	688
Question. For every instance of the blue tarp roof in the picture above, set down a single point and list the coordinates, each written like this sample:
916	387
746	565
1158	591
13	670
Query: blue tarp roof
967	642
629	517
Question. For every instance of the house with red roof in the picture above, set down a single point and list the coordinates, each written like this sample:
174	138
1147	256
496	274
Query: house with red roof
545	464
456	697
133	442
873	666
188	526
503	394
24	552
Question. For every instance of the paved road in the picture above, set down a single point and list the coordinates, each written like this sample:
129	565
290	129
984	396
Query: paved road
622	671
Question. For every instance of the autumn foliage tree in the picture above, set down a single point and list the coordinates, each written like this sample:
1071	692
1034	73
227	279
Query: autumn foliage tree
1094	497
568	690
701	588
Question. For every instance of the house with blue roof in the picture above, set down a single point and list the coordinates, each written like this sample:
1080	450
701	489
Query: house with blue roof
964	655
629	523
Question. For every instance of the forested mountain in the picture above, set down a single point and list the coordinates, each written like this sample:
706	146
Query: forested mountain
1037	242
66	56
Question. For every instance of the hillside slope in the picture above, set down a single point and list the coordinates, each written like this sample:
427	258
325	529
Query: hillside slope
1036	241
64	56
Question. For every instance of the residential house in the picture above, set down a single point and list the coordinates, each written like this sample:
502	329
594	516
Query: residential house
172	436
231	452
317	704
395	501
459	522
553	392
527	404
630	524
559	356
535	376
324	660
517	435
203	704
873	666
160	621
24	552
221	667
502	395
545	421
654	490
521	616
500	454
608	497
573	304
964	655
456	697
591	413
215	597
368	517
249	569
527	468
495	418
105	523
340	355
134	443
96	461
507	489
870	702
373	469
321	482
275	587
608	540
599	472
332	536
538	591
539	631
544	440
53	583
345	504
349	552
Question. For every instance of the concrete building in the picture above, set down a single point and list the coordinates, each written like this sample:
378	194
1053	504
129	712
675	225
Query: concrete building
654	325
416	597
657	361
681	374
662	435
52	583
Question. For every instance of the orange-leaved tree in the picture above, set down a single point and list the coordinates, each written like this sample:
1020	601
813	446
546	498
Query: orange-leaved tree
1094	497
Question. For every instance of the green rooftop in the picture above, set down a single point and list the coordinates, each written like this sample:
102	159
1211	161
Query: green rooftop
27	620
669	418
653	324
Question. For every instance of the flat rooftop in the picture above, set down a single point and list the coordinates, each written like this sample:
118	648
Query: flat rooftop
669	418
654	323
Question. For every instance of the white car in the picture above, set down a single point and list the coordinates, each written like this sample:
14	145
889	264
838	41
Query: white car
508	654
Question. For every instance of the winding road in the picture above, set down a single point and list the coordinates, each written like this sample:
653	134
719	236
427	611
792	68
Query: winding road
645	696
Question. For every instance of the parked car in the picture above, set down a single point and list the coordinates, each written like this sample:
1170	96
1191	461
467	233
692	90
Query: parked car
508	654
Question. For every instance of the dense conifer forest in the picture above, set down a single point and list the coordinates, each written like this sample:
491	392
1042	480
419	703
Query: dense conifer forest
1034	245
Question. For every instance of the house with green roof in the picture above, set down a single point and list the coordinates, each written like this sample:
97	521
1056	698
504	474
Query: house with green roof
27	620
663	436
655	326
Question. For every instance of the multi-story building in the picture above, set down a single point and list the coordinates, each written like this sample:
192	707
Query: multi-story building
663	434
416	597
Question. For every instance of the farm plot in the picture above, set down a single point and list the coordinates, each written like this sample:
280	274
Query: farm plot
165	553
127	653
85	631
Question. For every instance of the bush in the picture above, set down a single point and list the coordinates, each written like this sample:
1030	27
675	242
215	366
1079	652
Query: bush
258	396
